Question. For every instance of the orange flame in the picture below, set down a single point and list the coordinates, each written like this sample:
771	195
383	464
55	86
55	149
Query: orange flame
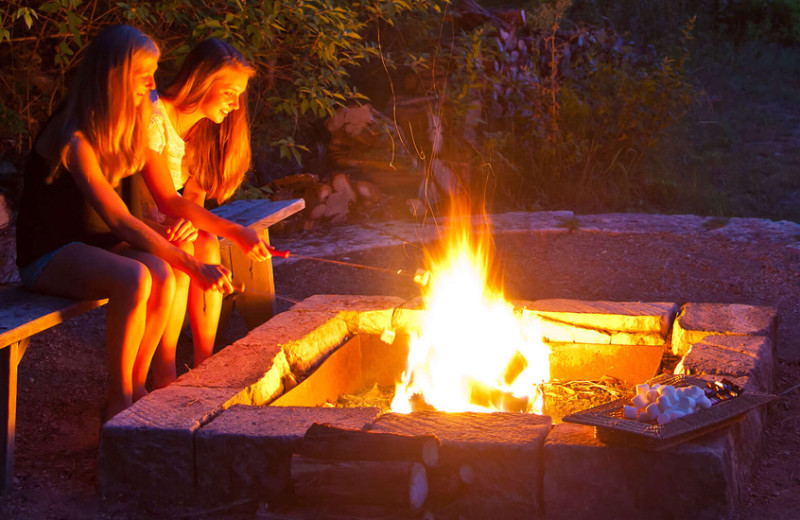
473	353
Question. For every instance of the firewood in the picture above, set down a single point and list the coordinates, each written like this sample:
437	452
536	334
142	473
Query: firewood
416	207
5	212
324	191
398	484
368	192
336	205
341	184
489	397
318	212
417	486
329	442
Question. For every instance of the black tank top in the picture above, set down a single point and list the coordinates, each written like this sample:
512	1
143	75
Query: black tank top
53	213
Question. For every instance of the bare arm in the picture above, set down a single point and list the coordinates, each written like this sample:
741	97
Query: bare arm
190	207
83	166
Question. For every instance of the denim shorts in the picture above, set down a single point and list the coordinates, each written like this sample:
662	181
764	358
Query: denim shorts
30	273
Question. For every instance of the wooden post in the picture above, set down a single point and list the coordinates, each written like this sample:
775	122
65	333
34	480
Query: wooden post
9	361
257	303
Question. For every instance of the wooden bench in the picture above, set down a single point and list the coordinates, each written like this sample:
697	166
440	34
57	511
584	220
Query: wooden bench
24	313
256	304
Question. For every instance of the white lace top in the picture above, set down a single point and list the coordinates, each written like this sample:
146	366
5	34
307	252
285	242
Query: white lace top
163	135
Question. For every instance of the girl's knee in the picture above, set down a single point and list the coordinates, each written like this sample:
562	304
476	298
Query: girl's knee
132	279
162	275
207	247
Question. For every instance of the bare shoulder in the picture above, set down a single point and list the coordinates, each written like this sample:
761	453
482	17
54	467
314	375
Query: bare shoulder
79	155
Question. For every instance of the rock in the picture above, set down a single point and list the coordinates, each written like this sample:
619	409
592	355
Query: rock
5	212
695	321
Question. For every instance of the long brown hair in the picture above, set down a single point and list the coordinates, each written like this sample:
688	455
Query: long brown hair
100	103
217	155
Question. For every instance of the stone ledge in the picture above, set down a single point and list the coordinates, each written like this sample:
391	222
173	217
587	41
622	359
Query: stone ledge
608	317
584	478
148	449
695	321
732	356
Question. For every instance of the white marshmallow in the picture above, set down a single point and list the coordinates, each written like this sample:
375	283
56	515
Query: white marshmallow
642	389
640	401
670	391
664	403
695	392
630	412
664	418
652	411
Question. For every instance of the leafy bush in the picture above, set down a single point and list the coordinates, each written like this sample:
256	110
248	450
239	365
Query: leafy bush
562	113
303	50
548	112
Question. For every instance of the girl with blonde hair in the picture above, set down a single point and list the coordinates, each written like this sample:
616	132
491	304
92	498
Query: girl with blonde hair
75	235
200	142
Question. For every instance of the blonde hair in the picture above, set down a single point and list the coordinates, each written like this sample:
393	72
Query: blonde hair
101	101
217	155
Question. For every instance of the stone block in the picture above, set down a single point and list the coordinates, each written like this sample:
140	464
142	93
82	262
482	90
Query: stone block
732	356
652	318
148	450
557	331
237	366
585	479
695	321
246	452
407	319
502	450
363	314
306	337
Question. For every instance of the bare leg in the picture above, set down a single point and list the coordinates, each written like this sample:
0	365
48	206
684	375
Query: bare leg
163	366
159	309
204	307
86	272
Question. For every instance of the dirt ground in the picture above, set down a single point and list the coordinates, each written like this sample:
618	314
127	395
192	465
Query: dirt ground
63	376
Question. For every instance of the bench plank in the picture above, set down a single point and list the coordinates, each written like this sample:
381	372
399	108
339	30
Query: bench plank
25	313
258	214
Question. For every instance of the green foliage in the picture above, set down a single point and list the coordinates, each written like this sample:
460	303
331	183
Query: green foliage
563	117
303	50
563	112
656	21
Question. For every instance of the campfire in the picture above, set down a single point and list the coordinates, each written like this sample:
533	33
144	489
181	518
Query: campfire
239	427
473	353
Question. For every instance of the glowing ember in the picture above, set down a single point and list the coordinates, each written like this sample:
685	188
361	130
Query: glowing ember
473	353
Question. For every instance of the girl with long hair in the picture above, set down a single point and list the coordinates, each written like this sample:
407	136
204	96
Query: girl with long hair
200	142
75	235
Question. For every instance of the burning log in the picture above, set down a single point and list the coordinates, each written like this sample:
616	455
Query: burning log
324	441
515	367
484	395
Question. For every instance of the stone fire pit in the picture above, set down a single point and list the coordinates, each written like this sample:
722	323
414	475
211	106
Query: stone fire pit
210	437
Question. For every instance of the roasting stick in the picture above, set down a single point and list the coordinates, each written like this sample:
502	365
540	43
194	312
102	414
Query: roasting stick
420	276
